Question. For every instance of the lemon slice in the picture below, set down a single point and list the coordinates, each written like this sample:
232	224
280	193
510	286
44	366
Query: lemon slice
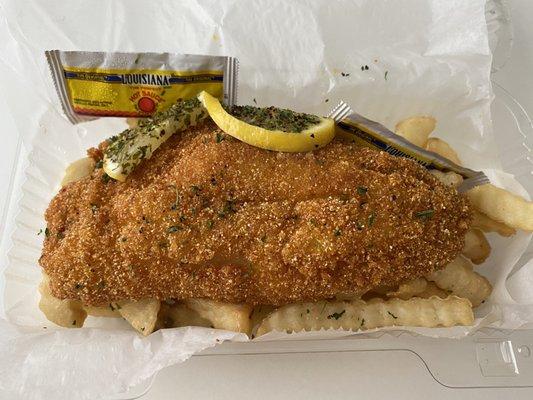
296	132
127	149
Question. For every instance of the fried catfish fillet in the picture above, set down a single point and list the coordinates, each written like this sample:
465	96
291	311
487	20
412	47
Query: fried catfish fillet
211	217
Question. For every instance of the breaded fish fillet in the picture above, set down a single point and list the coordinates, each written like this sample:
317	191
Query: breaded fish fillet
211	217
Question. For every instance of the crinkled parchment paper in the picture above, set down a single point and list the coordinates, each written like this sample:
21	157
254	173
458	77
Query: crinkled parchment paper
423	57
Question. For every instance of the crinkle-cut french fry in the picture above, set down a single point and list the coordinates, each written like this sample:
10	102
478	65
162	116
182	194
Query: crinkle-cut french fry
231	317
358	314
141	314
477	247
65	313
459	278
416	129
448	178
443	149
487	224
79	169
409	289
433	290
178	315
503	206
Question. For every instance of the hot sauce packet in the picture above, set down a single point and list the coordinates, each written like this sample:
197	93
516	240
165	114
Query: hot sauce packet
101	84
372	134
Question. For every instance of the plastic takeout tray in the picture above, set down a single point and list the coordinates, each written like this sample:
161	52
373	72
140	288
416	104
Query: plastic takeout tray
488	358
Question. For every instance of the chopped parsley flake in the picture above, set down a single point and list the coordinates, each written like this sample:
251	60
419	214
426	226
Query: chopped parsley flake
337	232
273	118
174	229
392	315
219	138
361	190
336	315
371	219
426	214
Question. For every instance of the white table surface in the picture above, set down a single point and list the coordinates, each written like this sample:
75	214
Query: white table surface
368	375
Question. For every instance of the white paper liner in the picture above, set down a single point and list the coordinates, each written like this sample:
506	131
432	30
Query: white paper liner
436	56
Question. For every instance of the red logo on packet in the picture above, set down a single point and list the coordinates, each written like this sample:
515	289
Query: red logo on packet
146	104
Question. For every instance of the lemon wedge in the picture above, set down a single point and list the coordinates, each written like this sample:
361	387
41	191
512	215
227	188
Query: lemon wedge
271	128
126	150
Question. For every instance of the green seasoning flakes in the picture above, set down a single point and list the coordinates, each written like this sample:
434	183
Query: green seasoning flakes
426	214
362	190
336	315
273	118
392	315
209	224
337	232
174	228
229	208
371	219
219	137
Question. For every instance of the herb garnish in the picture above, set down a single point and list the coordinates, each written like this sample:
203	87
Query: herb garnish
364	68
362	190
228	208
105	178
386	73
196	189
219	137
371	219
345	74
426	214
209	223
392	315
40	231
337	232
273	118
336	315
174	229
99	164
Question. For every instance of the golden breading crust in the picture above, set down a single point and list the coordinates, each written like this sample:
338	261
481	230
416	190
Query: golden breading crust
219	219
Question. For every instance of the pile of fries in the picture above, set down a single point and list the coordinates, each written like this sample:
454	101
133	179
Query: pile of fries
446	297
